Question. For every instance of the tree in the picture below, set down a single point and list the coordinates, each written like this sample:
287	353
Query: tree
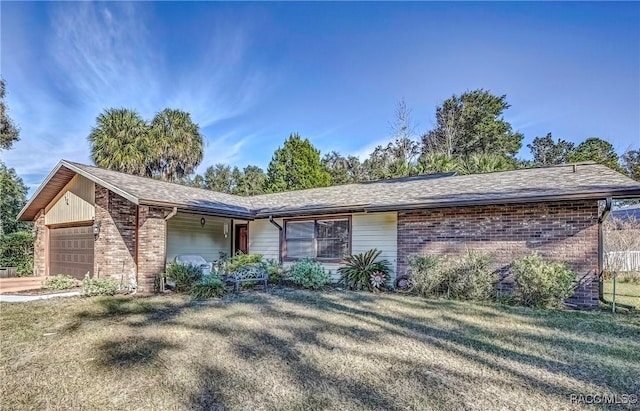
13	198
478	163
9	132
178	144
251	181
598	150
547	152
631	163
170	148
219	178
472	123
120	141
434	162
296	165
343	170
397	159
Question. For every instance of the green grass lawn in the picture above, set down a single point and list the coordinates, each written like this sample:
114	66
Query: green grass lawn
626	293
302	350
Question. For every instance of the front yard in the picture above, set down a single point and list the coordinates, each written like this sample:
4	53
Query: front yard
303	350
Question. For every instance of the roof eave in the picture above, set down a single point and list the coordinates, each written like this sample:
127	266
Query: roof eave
39	190
244	215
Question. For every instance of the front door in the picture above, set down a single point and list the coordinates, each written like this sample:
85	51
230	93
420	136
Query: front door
242	238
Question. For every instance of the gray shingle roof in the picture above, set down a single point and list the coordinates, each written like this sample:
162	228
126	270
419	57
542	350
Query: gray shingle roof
579	181
535	184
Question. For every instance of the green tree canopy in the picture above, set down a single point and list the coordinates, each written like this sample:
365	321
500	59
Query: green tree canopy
9	132
546	151
343	170
296	165
13	198
120	141
177	144
219	178
472	123
250	181
170	147
598	150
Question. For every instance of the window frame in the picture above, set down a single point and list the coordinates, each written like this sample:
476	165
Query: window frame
347	217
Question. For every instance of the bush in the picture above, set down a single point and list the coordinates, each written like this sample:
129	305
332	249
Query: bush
185	276
99	286
466	277
209	287
427	274
275	270
363	272
59	282
541	283
471	277
241	260
16	250
308	274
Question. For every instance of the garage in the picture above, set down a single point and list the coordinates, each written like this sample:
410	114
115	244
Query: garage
71	251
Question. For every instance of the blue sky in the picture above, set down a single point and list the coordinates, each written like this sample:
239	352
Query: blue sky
252	73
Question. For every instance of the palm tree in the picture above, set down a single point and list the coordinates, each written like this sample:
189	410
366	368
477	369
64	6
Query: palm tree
177	144
436	162
485	163
120	141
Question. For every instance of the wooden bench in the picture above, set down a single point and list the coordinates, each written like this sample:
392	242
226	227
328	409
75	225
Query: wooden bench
248	273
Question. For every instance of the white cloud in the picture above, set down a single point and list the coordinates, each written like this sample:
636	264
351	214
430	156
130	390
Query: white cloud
105	55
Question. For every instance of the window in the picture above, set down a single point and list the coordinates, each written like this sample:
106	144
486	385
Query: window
322	239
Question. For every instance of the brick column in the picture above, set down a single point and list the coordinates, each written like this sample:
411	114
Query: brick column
114	247
151	246
40	245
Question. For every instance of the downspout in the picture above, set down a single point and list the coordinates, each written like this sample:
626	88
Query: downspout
603	217
279	227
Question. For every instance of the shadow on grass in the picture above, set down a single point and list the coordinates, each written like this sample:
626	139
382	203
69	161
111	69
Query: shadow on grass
293	318
131	352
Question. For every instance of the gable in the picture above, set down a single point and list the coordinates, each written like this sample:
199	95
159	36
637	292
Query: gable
74	203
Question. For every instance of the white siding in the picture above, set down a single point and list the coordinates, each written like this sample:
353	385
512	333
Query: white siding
368	230
74	203
264	238
185	235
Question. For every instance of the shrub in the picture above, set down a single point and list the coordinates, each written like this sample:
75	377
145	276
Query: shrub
99	286
465	277
363	272
427	274
208	287
541	283
275	270
241	260
59	282
308	274
16	250
184	276
471	277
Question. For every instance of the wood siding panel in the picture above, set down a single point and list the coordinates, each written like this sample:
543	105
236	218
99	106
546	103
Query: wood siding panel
185	235
264	238
74	203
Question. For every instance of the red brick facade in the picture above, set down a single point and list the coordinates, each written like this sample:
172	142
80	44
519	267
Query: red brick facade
115	246
40	245
151	248
560	231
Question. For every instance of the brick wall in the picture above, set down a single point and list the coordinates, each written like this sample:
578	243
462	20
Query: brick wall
560	231
40	246
151	248
114	248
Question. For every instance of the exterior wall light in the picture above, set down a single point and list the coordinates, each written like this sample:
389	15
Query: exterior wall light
96	227
225	230
202	222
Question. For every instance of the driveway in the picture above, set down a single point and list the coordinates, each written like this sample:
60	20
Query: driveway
16	284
